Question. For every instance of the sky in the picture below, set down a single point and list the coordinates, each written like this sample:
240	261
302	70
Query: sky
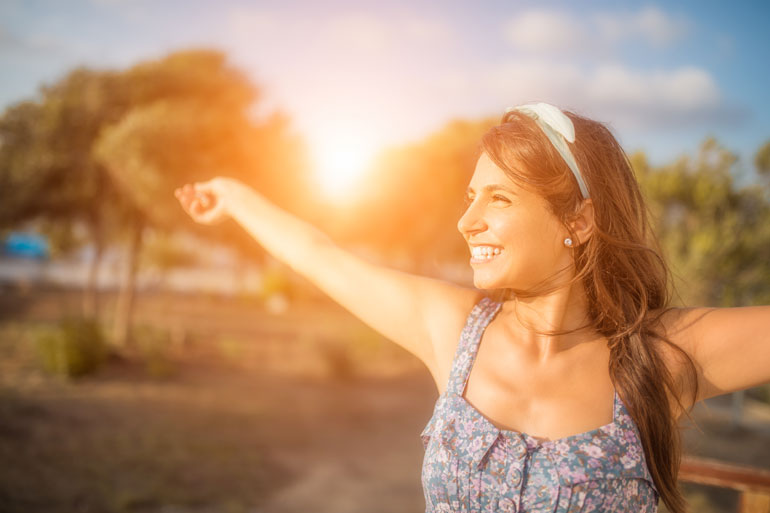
360	75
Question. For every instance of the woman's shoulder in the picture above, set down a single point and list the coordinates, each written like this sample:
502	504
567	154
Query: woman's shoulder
447	319
675	323
675	345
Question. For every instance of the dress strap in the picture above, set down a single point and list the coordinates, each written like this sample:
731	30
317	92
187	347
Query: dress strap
479	318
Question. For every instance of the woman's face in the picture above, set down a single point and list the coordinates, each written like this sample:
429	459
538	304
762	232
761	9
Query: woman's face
515	240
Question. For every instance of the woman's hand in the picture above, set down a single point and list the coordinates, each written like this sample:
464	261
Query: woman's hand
207	202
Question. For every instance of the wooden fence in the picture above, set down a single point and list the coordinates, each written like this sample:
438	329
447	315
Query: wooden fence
752	483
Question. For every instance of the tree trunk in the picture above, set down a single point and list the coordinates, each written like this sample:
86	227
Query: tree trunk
91	293
125	304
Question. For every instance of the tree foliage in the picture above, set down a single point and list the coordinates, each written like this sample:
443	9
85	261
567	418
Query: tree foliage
716	235
23	165
762	161
107	149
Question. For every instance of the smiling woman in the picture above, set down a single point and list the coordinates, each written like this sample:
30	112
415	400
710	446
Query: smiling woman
569	326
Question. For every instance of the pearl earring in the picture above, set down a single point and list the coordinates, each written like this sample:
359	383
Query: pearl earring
568	242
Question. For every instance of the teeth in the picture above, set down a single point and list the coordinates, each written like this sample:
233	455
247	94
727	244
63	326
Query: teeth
485	252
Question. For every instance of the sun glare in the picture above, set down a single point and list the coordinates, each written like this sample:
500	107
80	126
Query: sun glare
341	159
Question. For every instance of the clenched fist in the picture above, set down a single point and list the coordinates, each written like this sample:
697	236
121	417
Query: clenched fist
206	202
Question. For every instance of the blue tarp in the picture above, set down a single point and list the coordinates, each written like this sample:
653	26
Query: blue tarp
25	245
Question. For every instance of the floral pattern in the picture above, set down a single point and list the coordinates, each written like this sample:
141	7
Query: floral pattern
471	465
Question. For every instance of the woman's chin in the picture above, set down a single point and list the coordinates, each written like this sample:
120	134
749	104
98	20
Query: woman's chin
492	281
484	283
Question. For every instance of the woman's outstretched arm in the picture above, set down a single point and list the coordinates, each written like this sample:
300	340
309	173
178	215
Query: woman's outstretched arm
423	315
730	346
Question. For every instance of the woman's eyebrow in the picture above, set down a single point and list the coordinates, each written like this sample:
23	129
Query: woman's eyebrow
494	187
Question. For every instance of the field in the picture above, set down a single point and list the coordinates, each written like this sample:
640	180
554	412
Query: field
234	409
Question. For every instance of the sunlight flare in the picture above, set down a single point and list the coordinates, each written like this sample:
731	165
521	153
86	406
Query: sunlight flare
341	160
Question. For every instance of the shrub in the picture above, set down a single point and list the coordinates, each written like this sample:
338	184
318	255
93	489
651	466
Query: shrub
154	346
75	347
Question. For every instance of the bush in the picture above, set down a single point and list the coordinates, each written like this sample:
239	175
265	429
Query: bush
154	346
74	348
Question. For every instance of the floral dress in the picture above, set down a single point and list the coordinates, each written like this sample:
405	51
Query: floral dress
472	466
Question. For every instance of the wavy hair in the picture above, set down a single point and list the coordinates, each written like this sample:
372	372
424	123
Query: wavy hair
621	269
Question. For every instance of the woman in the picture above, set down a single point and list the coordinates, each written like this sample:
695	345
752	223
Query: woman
570	329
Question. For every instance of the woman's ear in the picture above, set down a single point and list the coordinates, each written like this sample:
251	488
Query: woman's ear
582	224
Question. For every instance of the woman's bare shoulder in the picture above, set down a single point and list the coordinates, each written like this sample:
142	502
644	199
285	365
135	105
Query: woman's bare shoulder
676	324
677	350
446	319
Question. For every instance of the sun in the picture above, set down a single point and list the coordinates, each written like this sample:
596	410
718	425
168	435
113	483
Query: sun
341	160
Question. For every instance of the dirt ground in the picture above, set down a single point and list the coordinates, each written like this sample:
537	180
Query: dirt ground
229	431
215	440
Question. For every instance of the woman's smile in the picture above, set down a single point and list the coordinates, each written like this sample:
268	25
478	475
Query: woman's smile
484	254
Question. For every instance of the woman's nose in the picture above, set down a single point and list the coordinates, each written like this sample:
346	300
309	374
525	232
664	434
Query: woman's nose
471	221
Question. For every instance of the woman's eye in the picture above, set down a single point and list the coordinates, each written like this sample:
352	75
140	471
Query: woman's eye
467	200
498	197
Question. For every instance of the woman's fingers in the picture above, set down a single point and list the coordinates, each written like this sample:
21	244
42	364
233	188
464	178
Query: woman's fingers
186	196
200	201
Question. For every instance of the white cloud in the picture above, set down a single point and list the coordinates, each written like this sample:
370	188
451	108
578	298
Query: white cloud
631	98
571	60
354	30
683	89
393	75
558	31
546	30
650	24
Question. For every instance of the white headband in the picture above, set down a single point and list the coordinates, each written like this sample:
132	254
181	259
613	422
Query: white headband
559	129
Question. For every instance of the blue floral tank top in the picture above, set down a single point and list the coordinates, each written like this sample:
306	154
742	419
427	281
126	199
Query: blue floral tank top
472	466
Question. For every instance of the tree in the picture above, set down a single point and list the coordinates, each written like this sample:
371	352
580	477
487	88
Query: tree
716	236
108	148
189	121
45	159
762	162
23	166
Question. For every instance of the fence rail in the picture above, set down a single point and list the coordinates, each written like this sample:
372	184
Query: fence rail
753	484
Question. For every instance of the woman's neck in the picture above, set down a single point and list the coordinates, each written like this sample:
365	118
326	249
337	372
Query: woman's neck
531	319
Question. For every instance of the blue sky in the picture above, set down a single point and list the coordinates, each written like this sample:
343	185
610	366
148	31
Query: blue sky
662	75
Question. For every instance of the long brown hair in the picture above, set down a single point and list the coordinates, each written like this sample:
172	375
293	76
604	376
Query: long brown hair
620	266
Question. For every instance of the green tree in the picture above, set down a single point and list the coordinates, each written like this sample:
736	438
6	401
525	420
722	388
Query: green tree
716	236
190	120
108	148
45	160
762	163
22	163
